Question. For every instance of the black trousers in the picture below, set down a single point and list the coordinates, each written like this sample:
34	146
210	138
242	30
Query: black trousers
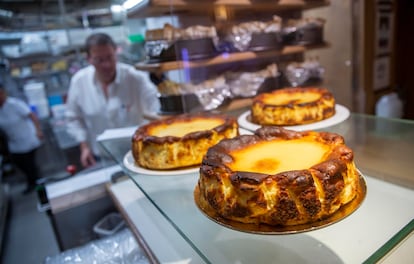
27	163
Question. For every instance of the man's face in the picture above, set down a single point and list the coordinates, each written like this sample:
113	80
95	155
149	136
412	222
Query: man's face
103	57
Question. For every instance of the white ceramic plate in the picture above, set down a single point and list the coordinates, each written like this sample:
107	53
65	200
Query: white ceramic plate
341	114
130	165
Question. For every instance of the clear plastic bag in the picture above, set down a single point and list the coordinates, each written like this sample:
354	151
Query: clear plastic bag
118	248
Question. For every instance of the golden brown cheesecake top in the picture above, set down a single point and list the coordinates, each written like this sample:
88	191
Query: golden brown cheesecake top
291	96
279	155
183	126
275	151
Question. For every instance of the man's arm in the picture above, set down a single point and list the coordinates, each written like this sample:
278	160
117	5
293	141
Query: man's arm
76	127
36	124
87	159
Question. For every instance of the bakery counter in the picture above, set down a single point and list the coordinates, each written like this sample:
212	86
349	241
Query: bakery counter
161	210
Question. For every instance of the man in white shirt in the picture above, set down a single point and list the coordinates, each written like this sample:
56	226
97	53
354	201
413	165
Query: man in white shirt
23	133
106	94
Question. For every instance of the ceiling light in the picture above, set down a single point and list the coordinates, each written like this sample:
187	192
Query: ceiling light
129	4
117	8
118	13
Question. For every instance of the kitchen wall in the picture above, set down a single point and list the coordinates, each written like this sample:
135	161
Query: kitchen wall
337	58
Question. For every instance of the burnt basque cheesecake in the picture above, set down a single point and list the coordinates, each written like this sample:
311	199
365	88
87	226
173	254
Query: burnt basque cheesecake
278	177
293	106
180	141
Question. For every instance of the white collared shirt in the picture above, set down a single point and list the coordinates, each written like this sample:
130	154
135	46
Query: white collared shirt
130	96
18	126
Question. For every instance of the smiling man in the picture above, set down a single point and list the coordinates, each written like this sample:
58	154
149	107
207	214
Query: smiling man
106	94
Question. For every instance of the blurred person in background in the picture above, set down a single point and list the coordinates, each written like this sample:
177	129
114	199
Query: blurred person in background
23	134
106	94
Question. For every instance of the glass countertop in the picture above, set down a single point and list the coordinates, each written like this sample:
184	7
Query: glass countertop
383	151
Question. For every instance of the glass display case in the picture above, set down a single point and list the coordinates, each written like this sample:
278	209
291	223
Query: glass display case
160	207
382	150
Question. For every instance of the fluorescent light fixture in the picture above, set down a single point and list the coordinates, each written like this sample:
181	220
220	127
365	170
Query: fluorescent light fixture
117	9
128	4
118	13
